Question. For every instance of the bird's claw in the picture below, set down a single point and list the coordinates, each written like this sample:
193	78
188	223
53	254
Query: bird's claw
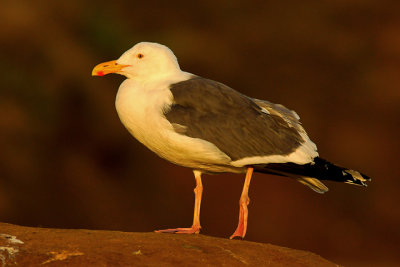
237	234
191	230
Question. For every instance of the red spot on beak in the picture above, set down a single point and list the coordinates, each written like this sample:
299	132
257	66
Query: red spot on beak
100	73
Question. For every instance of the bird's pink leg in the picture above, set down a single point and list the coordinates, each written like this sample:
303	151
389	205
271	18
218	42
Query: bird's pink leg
243	202
195	229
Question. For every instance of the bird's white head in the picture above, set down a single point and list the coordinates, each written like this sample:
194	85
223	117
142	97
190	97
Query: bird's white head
143	61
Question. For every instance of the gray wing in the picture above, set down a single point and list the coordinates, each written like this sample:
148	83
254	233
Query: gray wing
238	125
288	115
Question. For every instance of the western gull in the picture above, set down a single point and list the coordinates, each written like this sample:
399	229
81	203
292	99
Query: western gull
211	128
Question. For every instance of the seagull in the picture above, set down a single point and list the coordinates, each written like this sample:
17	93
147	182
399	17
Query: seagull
211	128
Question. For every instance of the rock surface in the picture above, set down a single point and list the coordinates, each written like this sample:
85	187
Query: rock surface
28	246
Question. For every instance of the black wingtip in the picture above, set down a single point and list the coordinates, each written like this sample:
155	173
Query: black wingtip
356	178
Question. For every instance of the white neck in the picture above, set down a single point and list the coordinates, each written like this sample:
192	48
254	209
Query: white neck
159	81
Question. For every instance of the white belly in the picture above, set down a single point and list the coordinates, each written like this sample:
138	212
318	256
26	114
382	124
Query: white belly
141	112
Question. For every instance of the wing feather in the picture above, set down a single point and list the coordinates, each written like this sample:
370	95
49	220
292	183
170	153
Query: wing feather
233	122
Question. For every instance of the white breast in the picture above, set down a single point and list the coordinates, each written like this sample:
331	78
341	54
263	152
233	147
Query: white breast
140	108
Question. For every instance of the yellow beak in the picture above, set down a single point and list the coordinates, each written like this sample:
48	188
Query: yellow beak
108	67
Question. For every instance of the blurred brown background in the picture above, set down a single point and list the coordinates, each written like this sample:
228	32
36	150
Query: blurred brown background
67	161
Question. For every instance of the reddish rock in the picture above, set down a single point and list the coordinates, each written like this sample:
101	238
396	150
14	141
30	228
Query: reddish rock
28	246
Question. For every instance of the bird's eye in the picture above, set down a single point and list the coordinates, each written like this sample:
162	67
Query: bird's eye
140	56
